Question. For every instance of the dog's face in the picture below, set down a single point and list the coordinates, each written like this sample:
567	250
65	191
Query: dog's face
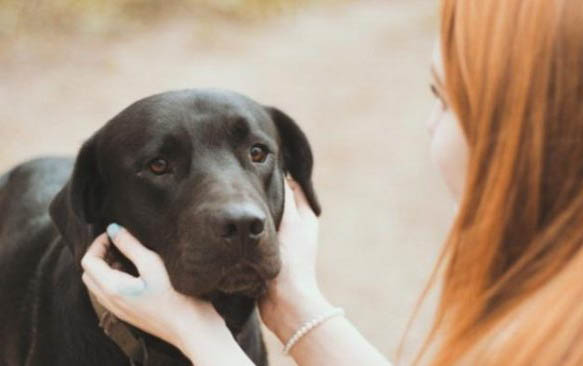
197	176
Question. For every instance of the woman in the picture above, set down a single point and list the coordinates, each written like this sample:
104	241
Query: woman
508	137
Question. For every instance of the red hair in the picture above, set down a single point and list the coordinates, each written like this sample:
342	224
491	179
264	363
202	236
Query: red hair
513	262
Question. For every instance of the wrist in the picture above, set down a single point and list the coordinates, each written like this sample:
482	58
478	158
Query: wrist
212	343
197	325
291	307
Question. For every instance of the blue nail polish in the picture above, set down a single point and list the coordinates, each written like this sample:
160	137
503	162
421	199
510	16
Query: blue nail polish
113	230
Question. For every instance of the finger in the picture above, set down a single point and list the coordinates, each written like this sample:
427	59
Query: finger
290	208
143	258
122	310
291	182
122	286
96	291
98	248
95	265
299	196
91	284
111	280
102	297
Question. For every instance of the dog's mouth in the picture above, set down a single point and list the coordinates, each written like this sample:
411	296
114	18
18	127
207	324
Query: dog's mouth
243	279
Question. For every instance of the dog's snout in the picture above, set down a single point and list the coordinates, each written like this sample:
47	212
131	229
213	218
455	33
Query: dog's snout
242	222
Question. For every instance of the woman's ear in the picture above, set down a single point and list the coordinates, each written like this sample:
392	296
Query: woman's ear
297	154
76	210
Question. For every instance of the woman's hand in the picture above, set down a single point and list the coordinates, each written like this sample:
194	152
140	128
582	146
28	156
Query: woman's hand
298	239
149	302
294	296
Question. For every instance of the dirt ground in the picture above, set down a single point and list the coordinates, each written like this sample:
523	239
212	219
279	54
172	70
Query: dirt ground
354	75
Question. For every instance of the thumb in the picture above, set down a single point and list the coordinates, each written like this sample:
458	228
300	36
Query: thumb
290	208
300	200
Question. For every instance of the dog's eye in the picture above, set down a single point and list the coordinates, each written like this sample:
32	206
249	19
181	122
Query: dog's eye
258	153
159	166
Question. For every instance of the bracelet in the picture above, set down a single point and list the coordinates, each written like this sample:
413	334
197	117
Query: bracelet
308	326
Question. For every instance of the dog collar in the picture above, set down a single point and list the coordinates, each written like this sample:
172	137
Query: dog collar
134	346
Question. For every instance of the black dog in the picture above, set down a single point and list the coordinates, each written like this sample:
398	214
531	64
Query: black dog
197	176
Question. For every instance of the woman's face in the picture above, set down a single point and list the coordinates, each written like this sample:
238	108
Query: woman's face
449	149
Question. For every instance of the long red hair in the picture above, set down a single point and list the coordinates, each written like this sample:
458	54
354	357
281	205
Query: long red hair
512	265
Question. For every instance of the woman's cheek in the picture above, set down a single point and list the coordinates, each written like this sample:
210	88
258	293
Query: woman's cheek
449	151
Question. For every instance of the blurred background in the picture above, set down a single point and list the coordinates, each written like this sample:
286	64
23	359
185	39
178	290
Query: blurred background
354	74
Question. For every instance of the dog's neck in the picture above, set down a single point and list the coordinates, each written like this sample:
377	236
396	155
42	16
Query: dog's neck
141	347
121	334
134	344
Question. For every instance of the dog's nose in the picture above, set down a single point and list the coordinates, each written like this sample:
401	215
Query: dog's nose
241	221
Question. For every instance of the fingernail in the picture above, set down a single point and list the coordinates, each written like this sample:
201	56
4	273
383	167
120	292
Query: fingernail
113	230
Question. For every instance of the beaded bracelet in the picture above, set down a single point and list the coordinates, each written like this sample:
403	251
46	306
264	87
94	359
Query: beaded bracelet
308	326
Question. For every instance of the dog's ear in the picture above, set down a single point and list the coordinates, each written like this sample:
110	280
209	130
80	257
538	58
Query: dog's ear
76	209
297	155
